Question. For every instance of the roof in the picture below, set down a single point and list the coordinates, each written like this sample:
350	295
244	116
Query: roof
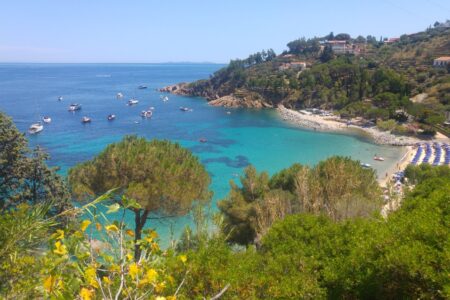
443	58
337	42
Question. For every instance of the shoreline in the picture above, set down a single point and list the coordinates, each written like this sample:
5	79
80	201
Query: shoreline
330	124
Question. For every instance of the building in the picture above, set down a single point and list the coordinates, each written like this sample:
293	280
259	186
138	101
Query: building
342	47
391	40
441	61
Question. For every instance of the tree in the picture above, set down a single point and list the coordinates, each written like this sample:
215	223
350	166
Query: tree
162	177
13	150
24	174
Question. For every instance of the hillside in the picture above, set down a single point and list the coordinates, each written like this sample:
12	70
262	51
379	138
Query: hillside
353	76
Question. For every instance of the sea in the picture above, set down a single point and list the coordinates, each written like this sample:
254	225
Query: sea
234	138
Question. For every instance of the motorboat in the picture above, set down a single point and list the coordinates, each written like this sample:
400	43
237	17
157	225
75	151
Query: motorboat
146	114
47	119
133	102
184	108
378	158
228	112
36	128
85	120
165	99
111	117
142	87
366	165
60	98
202	140
74	107
119	95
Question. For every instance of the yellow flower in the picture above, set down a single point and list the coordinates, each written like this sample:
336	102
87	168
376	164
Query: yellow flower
85	224
171	297
112	227
60	248
129	256
48	283
155	247
59	234
86	294
183	258
90	274
106	280
160	287
151	275
153	234
160	298
114	268
98	226
133	270
130	232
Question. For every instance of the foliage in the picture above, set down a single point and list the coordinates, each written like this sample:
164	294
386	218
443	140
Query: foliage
418	174
24	174
337	187
162	177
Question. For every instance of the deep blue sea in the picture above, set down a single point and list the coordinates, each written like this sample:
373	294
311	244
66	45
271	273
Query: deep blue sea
258	137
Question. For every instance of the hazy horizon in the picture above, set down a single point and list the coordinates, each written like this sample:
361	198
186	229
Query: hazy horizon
200	31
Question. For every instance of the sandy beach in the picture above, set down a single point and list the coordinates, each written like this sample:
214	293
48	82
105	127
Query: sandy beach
331	124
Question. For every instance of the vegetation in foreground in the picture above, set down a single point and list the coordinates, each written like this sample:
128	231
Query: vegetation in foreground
315	246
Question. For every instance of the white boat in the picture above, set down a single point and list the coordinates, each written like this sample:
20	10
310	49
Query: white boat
133	102
74	107
142	87
228	112
111	117
119	95
85	120
184	108
366	165
36	128
146	114
47	119
60	98
379	158
165	99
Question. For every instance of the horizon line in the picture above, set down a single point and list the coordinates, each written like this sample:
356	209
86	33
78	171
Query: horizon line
149	63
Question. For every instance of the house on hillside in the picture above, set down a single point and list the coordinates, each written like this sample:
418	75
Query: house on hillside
342	47
391	40
442	61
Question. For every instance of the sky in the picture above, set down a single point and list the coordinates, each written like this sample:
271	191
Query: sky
152	31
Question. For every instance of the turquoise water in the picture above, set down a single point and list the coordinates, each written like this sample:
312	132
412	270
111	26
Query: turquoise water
234	140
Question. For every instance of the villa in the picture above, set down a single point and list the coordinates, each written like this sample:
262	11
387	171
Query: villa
442	61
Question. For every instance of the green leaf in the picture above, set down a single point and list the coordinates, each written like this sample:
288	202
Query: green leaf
113	208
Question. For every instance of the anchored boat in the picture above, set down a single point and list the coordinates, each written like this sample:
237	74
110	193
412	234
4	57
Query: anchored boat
36	128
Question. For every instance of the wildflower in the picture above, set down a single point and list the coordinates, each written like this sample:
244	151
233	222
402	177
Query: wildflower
90	274
151	275
85	225
160	287
86	294
106	280
133	270
160	298
60	248
130	232
48	283
58	235
112	227
183	258
171	297
155	247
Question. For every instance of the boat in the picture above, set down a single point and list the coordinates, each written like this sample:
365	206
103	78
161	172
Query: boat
133	102
85	120
228	112
47	119
142	87
184	108
36	128
74	107
379	158
165	99
111	117
365	165
60	98
202	140
146	113
119	95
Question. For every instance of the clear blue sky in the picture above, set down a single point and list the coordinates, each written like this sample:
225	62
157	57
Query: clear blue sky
192	30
